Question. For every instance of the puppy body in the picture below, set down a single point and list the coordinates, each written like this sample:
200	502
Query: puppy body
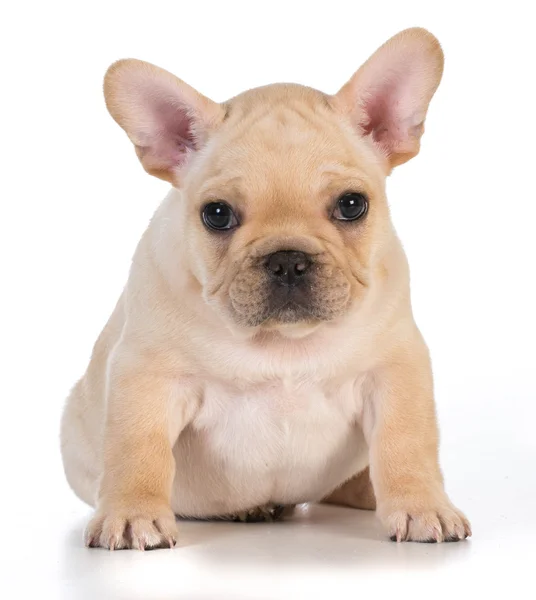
267	418
203	400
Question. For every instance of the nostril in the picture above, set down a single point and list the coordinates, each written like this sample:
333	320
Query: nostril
278	264
300	268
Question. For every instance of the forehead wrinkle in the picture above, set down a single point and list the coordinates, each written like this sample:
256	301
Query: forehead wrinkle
250	119
225	189
219	181
347	176
298	118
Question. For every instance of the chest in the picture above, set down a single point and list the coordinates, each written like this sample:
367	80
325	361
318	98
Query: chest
275	424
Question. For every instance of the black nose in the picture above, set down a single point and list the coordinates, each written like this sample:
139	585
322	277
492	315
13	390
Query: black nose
288	266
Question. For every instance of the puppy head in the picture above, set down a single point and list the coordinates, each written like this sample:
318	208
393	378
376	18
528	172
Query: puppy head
285	216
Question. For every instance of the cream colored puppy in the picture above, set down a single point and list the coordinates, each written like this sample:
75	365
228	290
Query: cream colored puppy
264	352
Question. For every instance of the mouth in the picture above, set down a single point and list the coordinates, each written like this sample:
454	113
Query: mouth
291	320
291	312
290	305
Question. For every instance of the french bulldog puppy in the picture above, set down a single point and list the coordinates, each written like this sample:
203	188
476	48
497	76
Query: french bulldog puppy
263	352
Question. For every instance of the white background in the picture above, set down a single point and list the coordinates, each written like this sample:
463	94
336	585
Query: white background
74	201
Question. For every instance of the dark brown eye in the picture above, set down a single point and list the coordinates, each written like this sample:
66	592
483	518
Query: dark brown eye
219	216
350	207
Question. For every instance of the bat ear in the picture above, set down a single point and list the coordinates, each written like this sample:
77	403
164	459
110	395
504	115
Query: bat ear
388	97
165	118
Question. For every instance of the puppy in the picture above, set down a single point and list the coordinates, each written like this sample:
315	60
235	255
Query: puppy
263	352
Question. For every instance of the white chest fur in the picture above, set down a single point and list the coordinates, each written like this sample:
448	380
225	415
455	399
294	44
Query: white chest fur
298	440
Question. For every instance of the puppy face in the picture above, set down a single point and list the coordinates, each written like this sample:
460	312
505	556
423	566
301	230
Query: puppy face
284	210
285	215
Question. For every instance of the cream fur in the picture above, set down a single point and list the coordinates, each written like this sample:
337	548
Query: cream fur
184	409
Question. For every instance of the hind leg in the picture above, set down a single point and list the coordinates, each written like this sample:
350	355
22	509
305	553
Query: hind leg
356	493
78	454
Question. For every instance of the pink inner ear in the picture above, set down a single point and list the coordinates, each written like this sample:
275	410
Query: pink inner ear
168	137
390	112
392	102
377	110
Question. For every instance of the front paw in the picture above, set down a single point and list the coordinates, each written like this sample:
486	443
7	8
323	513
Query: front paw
132	524
423	518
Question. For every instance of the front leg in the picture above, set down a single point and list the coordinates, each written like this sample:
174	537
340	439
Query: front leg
145	414
403	439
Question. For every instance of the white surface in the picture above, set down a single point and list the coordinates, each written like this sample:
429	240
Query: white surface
317	555
74	202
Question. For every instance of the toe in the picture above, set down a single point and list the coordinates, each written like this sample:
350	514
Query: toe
425	527
144	534
455	526
167	527
398	526
113	534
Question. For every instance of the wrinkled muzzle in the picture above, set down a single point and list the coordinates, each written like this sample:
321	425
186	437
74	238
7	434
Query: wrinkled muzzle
288	286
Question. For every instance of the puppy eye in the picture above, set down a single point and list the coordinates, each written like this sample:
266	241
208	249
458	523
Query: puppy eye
350	207
219	216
